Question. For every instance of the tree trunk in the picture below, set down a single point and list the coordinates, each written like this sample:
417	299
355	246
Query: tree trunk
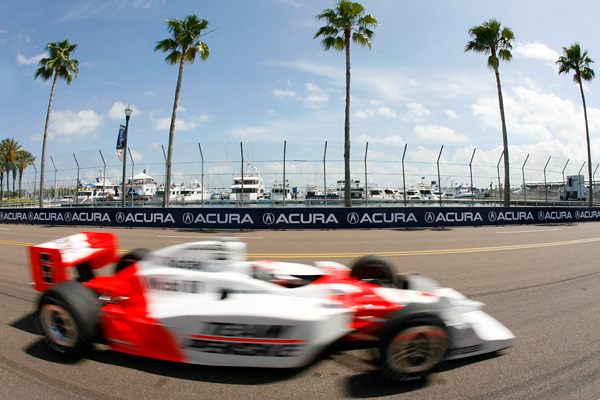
506	202
347	188
20	182
589	151
43	161
172	131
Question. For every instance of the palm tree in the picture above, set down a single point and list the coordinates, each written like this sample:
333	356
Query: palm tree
22	161
573	60
60	65
183	47
8	154
2	171
344	23
490	38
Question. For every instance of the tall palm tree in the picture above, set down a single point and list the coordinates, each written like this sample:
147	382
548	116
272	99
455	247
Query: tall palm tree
60	65
490	38
346	22
573	60
22	161
2	171
9	148
183	46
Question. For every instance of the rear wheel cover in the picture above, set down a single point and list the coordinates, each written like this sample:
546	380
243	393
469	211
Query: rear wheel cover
59	325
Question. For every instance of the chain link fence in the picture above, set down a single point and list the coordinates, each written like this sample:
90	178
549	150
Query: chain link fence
446	170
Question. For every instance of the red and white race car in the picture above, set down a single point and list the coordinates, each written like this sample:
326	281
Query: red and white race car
204	303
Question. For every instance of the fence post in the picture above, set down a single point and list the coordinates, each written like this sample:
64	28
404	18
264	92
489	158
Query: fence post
202	174
55	172
545	183
77	183
34	182
439	176
242	153
593	179
366	181
500	192
104	173
166	191
524	183
404	174
284	183
325	172
564	188
471	173
132	171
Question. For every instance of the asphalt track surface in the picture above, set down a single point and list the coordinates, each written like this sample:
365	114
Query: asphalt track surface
543	282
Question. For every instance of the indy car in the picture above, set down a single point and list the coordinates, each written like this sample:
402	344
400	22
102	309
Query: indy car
205	303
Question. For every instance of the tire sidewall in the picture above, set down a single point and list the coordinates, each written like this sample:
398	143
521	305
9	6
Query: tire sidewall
371	267
131	258
81	303
399	322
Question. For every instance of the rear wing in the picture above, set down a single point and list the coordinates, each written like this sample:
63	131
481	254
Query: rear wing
86	251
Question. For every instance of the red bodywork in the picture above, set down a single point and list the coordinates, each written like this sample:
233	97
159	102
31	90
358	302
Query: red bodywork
124	317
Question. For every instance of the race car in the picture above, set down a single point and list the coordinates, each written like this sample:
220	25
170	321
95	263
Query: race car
205	303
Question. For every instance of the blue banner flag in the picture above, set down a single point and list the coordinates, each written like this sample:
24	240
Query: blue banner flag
121	142
121	138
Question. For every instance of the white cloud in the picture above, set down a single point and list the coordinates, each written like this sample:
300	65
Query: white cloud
267	132
180	123
280	94
316	97
389	140
68	125
22	60
451	114
381	112
386	112
117	111
535	115
416	112
137	156
536	50
437	133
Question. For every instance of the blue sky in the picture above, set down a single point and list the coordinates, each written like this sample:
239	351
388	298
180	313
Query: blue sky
267	79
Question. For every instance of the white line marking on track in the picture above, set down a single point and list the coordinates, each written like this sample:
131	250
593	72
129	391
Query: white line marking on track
539	230
208	238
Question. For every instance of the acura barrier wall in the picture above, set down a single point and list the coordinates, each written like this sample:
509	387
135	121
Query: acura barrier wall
298	218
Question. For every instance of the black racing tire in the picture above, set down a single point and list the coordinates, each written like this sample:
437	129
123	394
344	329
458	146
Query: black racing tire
68	318
412	346
131	258
374	270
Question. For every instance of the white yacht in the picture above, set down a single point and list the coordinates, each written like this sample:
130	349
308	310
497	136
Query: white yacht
279	191
142	184
248	186
375	193
356	192
313	192
195	193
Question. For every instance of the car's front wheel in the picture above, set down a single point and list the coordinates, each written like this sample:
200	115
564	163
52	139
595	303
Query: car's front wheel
412	347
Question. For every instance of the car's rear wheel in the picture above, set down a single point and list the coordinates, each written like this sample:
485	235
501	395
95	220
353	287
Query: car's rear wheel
131	258
374	270
68	316
412	347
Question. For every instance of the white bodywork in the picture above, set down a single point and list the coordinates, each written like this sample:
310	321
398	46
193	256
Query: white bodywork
224	310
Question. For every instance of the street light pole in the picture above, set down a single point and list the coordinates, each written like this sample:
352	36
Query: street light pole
128	112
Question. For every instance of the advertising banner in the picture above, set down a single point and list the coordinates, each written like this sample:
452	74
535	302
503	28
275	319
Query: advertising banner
299	218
